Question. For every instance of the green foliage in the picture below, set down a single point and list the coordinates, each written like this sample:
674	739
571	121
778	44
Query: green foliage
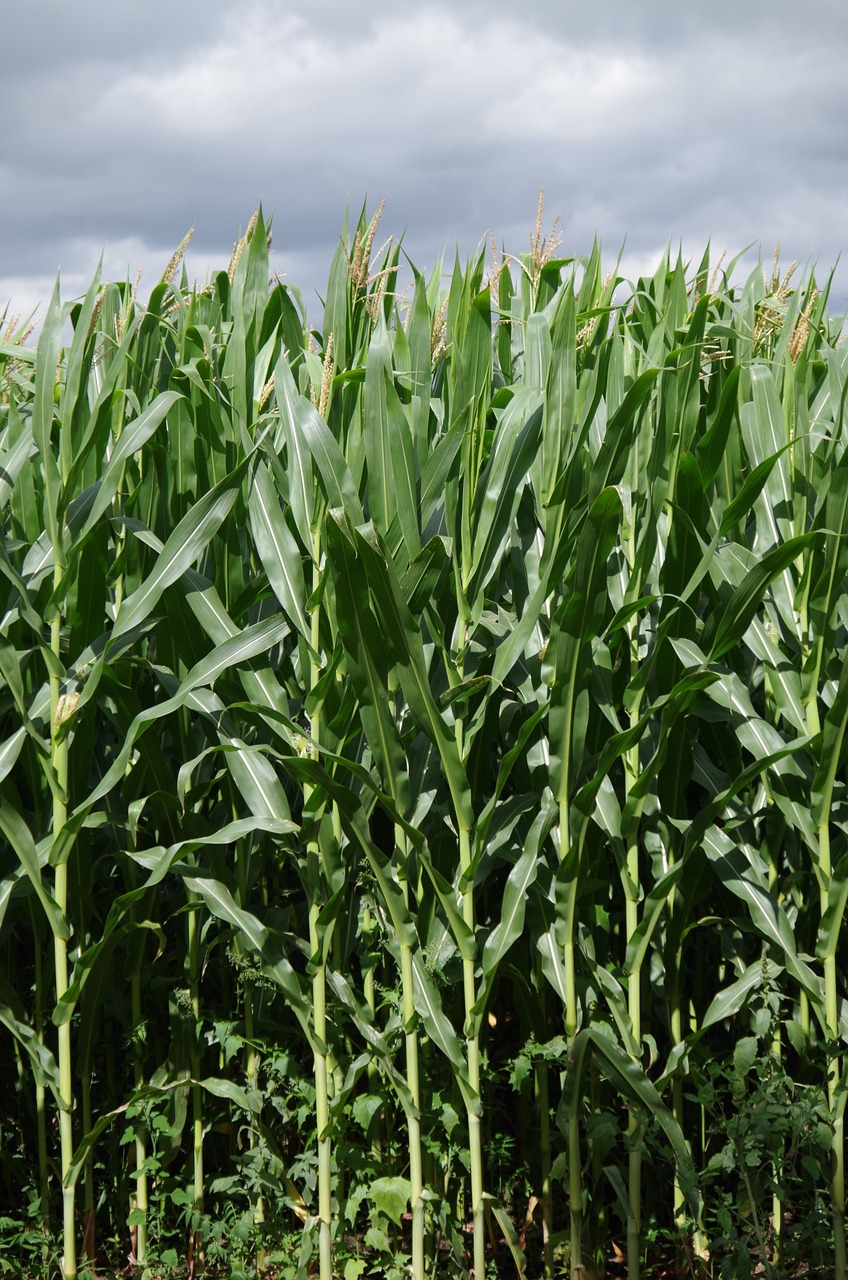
768	1135
422	772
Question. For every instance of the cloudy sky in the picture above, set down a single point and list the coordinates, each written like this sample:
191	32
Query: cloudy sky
647	121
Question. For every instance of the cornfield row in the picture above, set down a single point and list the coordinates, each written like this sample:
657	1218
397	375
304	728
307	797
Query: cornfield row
422	784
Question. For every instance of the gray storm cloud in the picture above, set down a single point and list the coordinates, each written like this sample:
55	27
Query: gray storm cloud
125	125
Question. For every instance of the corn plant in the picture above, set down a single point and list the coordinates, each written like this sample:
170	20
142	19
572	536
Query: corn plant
468	667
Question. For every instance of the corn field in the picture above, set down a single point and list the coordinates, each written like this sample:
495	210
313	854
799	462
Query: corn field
423	801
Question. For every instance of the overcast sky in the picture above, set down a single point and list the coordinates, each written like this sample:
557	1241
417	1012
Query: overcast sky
127	122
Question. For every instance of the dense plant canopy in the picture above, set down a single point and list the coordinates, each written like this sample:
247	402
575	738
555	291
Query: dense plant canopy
422	771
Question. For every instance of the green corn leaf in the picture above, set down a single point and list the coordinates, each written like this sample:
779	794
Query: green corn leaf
149	1093
729	623
833	747
236	649
785	683
360	633
516	753
753	486
619	433
436	472
389	448
769	918
182	550
47	360
12	462
436	1024
401	452
276	546
44	1068
419	580
10	750
830	558
652	910
355	825
561	394
258	938
256	779
404	638
231	1092
509	1233
630	1079
511	924
552	964
20	838
132	439
298	467
615	996
450	904
579	617
363	1019
733	998
515	445
94	960
764	432
335	477
712	445
832	920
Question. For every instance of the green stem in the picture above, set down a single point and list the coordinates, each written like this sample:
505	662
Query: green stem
634	1123
370	988
677	1085
752	1201
89	1250
319	978
597	1226
416	1177
416	1174
777	1050
196	1092
804	1015
834	1071
140	1198
546	1192
322	1097
252	1074
429	1172
40	1096
469	983
251	1063
59	754
575	1168
631	886
416	1165
831	999
699	1239
472	1051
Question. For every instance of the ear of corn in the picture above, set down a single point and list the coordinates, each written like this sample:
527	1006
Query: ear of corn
486	649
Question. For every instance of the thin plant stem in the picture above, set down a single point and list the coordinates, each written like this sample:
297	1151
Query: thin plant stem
40	1094
370	989
319	977
140	1197
575	1168
197	1247
413	1123
472	1050
545	1190
59	754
